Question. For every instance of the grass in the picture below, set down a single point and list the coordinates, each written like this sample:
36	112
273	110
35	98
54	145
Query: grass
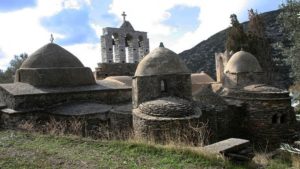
32	150
27	150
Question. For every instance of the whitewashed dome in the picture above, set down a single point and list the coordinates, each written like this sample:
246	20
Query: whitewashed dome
161	61
242	62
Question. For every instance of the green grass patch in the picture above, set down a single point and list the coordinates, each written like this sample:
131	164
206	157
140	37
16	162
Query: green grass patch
33	150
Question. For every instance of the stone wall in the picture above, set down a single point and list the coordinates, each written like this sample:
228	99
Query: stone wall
115	69
149	87
269	118
42	101
159	129
56	76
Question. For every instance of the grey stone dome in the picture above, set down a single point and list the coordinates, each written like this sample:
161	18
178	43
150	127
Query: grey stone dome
167	107
51	56
53	66
161	61
242	62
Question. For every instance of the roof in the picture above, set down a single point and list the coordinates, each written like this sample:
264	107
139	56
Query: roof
263	88
242	62
51	56
18	88
161	61
167	107
127	25
126	80
201	78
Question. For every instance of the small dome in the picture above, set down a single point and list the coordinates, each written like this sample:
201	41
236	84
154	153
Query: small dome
51	56
242	62
201	78
167	107
161	61
126	80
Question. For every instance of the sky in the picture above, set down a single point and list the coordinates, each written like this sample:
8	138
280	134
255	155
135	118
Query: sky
26	25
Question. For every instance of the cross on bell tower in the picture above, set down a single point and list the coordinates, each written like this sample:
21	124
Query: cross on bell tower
124	16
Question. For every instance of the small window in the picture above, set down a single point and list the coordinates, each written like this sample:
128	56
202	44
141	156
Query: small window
274	119
163	86
123	61
109	49
109	61
283	119
279	118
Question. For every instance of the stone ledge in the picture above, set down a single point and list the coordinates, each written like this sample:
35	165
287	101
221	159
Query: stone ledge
227	146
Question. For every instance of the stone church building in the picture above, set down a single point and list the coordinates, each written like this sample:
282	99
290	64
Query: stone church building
150	93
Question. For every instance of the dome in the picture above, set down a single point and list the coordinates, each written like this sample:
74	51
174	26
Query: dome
167	107
242	62
159	62
53	66
201	78
51	56
126	80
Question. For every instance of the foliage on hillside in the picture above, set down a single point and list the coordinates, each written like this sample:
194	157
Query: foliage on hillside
290	21
202	56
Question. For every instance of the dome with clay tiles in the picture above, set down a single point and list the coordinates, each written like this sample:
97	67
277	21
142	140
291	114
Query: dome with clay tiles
161	61
242	62
51	56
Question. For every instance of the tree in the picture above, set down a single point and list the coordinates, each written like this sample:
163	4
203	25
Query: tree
290	21
258	43
7	76
236	37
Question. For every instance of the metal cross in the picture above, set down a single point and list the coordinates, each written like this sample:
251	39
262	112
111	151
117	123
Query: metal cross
51	38
124	16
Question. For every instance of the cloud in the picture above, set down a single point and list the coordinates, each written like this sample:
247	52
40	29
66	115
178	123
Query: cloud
87	53
12	5
179	21
77	24
73	25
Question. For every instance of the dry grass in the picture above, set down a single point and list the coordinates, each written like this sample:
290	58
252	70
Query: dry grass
262	159
195	135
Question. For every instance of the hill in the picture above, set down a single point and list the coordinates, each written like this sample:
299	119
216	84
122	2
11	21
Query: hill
202	56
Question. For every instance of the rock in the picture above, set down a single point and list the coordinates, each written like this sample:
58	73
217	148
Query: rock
227	146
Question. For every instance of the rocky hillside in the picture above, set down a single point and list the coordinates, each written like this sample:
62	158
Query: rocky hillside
202	56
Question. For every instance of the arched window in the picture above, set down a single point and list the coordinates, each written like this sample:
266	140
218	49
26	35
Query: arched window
128	39
115	41
163	86
279	118
274	119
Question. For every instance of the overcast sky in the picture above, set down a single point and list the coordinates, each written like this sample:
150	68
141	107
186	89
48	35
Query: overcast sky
26	25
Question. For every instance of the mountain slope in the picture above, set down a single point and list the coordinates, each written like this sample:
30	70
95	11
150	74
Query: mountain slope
202	56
